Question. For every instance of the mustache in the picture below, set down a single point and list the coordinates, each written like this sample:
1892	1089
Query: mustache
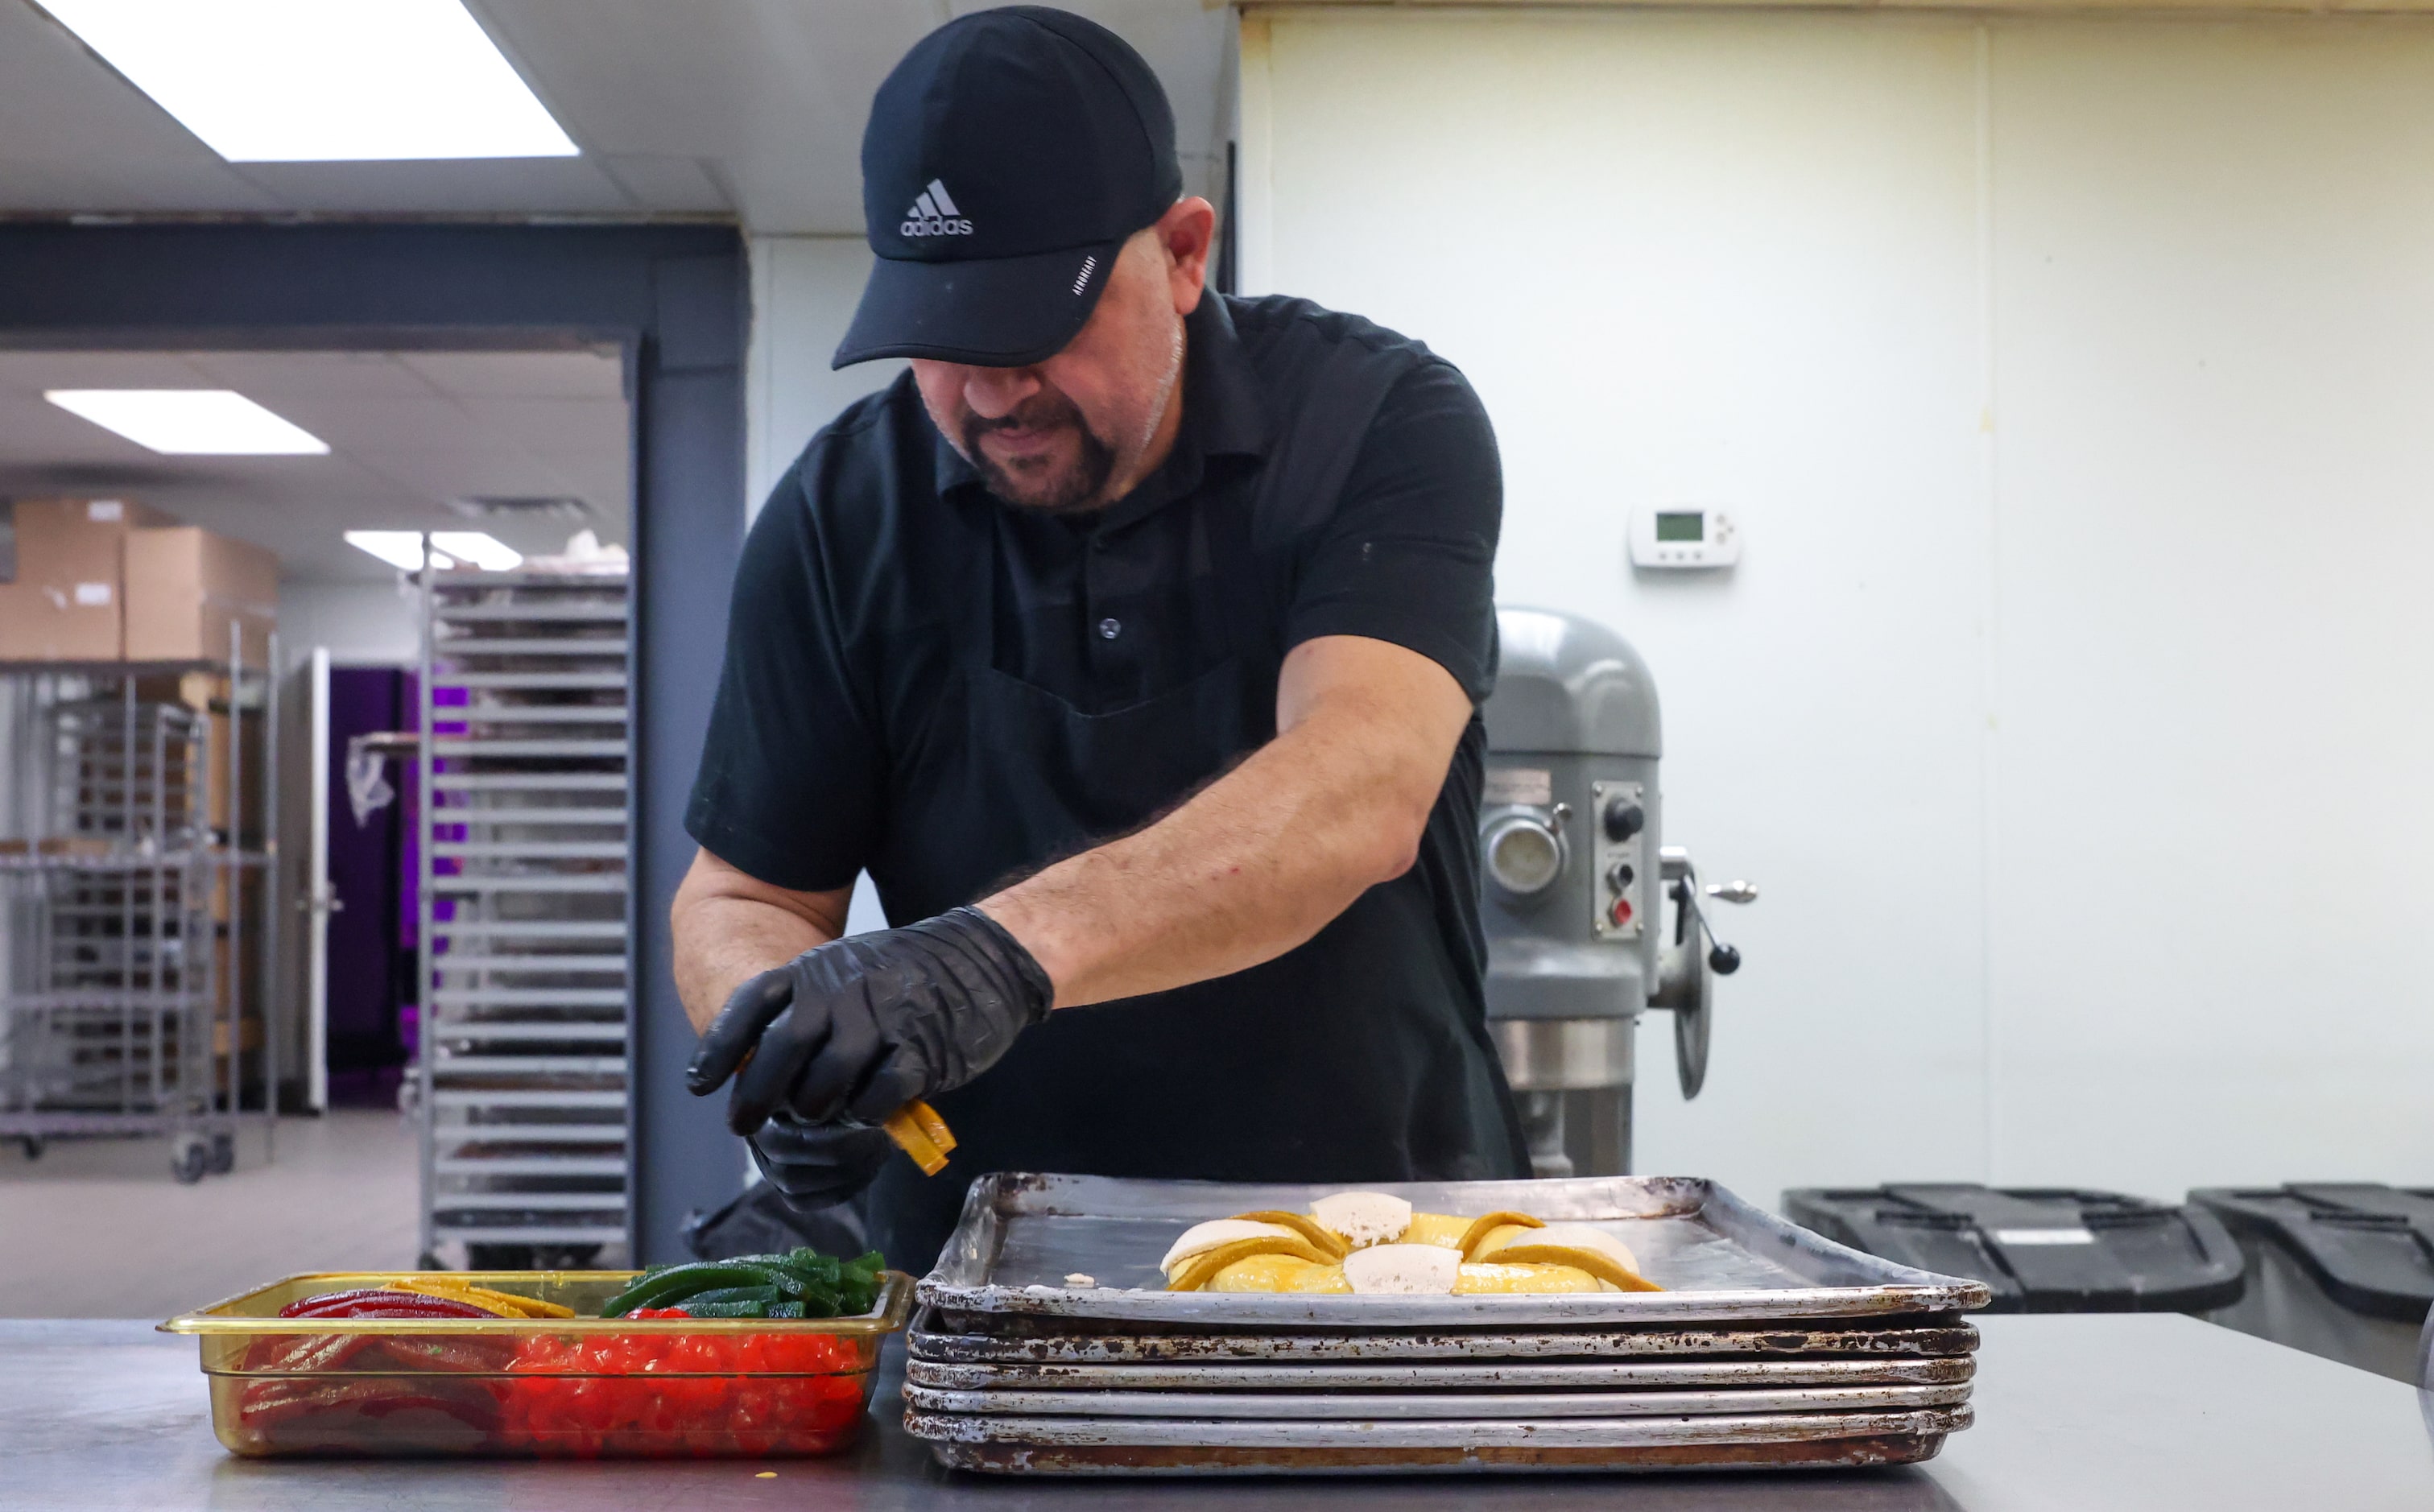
1041	411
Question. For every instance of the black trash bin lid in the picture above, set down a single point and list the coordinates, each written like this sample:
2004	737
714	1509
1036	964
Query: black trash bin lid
2042	1249
2370	1247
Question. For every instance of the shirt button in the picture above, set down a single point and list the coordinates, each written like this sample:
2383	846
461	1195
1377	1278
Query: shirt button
1110	628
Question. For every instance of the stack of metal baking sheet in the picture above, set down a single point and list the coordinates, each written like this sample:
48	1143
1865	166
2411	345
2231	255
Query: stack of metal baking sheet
1048	1345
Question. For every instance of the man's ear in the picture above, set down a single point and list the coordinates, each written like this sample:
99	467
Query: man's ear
1186	232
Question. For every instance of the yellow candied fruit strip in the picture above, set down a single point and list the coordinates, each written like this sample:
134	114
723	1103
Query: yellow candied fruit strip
905	1129
506	1304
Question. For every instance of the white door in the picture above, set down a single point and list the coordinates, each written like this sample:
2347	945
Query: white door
317	898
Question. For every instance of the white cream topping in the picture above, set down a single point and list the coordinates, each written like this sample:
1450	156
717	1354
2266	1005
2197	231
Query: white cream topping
1203	1237
1403	1270
1363	1218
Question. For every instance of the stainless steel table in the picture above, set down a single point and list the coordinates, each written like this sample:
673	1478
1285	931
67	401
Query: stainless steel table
2075	1414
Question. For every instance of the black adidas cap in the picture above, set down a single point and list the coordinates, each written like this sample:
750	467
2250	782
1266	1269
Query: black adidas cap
1007	158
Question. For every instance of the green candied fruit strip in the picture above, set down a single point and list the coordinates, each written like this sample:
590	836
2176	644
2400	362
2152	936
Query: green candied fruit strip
668	1287
733	1294
735	1309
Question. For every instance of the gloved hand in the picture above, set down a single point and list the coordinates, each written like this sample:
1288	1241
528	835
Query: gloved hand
818	1165
861	1026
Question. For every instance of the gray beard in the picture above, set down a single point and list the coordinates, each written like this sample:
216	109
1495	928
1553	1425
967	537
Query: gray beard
1078	488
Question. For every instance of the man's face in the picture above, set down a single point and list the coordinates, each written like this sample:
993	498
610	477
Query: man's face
1075	432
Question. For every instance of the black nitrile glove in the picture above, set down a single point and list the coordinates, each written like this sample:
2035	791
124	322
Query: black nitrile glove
818	1165
861	1026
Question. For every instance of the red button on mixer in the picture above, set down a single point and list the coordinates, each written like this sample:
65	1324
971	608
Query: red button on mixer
1621	911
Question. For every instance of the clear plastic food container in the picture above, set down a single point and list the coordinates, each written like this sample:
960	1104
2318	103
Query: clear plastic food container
584	1386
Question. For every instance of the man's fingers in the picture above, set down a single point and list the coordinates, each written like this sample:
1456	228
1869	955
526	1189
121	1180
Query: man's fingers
731	1037
891	1084
795	1036
821	1085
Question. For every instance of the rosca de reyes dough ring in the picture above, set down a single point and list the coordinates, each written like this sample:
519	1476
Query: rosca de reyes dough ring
1278	1273
1443	1230
1498	1279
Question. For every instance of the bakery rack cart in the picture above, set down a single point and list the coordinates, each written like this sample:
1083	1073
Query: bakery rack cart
138	833
522	1075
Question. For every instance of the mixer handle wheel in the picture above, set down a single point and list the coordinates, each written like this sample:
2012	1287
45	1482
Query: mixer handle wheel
1691	1027
1686	974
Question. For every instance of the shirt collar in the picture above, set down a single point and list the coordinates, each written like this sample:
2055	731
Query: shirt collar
1223	416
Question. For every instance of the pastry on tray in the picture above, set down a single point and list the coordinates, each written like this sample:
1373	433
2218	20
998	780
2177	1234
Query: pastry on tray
1373	1244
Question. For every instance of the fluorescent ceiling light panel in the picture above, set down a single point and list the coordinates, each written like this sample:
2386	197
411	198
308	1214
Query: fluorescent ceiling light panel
190	421
478	548
322	81
402	549
448	548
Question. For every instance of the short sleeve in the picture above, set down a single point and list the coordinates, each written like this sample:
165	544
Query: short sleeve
1409	556
790	786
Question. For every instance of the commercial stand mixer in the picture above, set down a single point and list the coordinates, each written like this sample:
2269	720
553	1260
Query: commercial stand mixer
1591	921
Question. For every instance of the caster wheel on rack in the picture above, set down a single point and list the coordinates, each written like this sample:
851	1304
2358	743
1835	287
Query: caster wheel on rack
34	1147
189	1158
223	1153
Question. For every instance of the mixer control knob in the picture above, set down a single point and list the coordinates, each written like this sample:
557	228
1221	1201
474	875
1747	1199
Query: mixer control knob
1620	876
1623	820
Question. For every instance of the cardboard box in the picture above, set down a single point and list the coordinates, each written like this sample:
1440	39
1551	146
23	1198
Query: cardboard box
185	587
64	598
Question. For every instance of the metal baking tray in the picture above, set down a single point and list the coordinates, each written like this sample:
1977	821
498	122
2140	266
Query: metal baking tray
1431	1406
1010	1339
1133	1446
1718	1257
1116	1461
1768	1374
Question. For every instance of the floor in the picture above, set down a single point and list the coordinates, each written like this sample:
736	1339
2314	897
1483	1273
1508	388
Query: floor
99	1229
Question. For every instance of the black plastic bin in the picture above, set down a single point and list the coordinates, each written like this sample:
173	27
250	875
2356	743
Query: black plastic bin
2341	1269
2042	1249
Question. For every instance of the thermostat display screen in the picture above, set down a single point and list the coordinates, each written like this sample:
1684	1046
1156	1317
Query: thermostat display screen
1683	537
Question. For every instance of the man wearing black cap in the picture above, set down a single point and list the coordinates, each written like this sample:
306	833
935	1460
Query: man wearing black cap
1133	643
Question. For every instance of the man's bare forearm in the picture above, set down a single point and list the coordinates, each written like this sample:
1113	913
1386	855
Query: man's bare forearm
731	927
1264	857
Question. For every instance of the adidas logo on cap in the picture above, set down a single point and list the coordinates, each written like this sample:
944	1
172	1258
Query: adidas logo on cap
934	214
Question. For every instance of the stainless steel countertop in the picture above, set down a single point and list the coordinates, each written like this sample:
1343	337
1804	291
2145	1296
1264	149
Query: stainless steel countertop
2074	1413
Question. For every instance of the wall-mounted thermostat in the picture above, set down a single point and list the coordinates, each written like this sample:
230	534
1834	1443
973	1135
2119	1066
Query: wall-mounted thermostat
1683	536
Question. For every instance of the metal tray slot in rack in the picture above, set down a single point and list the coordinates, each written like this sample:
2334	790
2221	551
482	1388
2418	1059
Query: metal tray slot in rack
526	915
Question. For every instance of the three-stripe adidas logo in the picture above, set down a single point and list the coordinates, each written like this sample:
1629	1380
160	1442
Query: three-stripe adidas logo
934	214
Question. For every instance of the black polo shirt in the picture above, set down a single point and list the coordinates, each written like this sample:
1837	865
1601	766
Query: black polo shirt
927	683
1102	612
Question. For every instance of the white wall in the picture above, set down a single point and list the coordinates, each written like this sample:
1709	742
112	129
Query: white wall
2069	380
804	289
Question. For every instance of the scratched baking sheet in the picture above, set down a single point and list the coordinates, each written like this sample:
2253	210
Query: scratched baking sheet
1434	1406
1015	1445
1386	1376
1013	1339
1718	1258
